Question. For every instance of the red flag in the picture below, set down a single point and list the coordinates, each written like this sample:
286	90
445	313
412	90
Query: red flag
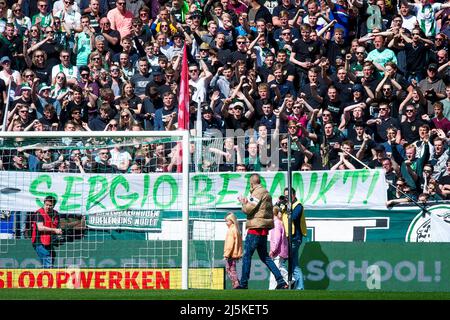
183	104
183	96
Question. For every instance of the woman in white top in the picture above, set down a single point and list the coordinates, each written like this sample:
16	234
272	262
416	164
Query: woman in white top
21	22
59	88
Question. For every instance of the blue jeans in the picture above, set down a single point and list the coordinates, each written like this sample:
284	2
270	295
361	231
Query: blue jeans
259	243
297	274
46	255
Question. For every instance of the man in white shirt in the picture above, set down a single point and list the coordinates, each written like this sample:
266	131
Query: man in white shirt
426	15
69	14
69	70
200	83
409	21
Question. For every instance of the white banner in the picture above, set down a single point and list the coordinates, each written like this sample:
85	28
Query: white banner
95	193
440	228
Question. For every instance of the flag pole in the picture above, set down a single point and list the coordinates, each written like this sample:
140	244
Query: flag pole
183	104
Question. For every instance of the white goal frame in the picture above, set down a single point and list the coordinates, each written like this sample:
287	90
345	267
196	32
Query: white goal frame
183	134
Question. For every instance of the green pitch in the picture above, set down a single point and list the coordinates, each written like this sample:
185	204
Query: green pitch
66	294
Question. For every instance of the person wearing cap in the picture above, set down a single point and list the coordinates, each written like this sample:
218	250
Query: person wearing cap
8	75
176	49
234	115
433	87
25	96
358	93
209	121
43	98
196	18
204	51
159	80
90	88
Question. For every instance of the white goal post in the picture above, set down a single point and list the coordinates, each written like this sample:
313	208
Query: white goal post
181	136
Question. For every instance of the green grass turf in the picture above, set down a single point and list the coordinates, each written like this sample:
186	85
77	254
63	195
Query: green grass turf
66	294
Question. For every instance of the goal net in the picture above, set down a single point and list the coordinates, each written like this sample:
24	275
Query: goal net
124	211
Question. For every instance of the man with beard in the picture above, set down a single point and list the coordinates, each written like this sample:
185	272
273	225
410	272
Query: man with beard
142	78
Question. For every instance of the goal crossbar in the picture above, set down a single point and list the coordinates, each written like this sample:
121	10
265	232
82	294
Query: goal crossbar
183	134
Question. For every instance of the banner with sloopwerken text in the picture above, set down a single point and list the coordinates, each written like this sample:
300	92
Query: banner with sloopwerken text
113	278
148	193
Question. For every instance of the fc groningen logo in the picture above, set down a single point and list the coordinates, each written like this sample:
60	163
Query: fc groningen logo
419	229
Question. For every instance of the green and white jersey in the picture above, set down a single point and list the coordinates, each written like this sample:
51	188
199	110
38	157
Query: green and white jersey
426	17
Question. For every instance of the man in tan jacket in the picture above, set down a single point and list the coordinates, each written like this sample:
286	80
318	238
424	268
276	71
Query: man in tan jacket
259	210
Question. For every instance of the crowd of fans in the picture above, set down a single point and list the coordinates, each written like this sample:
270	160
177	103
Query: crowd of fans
351	84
